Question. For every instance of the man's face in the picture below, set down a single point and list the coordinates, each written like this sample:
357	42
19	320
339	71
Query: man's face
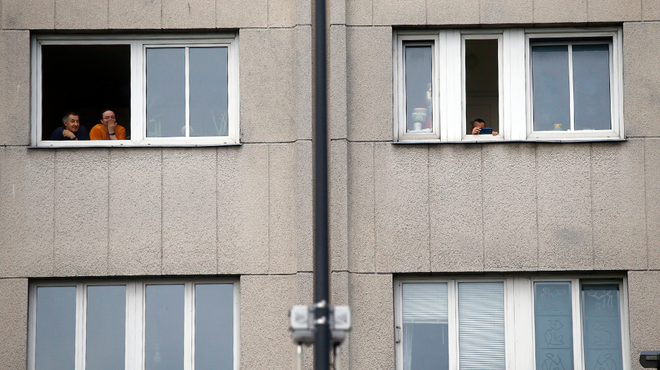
73	123
108	116
478	124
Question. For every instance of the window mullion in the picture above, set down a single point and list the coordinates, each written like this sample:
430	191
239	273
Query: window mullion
188	327
578	346
134	326
81	324
452	323
187	88
570	87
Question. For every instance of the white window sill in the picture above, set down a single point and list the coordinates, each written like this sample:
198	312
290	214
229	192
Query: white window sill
121	145
491	141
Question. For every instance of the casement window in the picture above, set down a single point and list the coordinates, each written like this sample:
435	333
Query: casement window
526	84
511	323
163	89
182	324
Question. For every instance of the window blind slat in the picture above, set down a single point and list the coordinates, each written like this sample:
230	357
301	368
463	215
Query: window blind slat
424	303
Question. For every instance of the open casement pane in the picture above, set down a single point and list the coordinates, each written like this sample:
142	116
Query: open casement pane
425	330
164	314
106	323
481	326
482	83
553	323
418	83
602	326
56	328
591	84
214	326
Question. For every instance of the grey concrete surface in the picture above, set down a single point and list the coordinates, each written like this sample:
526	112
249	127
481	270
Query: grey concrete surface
241	13
281	13
132	14
409	12
513	11
559	11
81	15
302	74
337	99
650	10
13	315
452	12
643	303
361	206
615	10
303	12
337	12
28	14
304	206
15	87
281	209
338	205
188	14
652	189
359	12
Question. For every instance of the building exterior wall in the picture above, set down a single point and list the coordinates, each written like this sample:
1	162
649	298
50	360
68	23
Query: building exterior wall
395	209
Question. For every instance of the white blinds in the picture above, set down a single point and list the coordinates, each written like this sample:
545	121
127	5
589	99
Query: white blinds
481	326
424	303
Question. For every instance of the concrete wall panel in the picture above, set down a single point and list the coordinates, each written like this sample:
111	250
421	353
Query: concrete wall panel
81	15
337	12
407	12
338	205
369	75
371	339
456	208
652	177
512	11
650	10
81	212
13	315
510	228
135	194
304	206
618	205
15	87
359	12
452	12
615	10
188	14
402	208
642	78
303	85
28	14
242	178
563	180
281	13
281	209
145	14
361	208
26	212
644	306
559	11
241	13
265	340
267	91
337	114
304	12
189	211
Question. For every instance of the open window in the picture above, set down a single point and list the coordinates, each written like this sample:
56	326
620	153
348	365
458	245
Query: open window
164	90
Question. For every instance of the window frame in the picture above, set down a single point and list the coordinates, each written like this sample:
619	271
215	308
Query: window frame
138	45
135	329
518	315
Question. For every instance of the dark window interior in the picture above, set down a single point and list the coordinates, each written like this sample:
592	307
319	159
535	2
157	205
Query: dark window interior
87	79
481	83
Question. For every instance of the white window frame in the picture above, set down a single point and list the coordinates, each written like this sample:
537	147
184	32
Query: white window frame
520	346
138	45
135	318
515	99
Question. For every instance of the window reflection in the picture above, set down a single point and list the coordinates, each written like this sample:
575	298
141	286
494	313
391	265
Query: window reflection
419	88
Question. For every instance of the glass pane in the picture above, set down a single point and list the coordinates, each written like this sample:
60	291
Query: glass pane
481	83
164	327
553	322
106	325
602	326
166	93
56	328
425	337
214	326
591	86
481	326
551	88
208	92
419	102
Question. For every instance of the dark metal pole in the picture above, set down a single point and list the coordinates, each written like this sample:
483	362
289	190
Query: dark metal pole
320	143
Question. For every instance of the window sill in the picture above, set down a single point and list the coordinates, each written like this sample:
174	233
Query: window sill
549	141
83	146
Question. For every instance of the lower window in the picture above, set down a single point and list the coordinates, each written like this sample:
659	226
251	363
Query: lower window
511	323
134	325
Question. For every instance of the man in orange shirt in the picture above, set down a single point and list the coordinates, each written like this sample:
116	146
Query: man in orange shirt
108	129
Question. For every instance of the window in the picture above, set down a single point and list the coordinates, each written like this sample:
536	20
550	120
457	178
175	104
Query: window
164	90
511	323
134	325
523	84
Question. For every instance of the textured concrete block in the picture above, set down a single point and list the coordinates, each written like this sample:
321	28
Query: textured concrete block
267	91
510	228
26	212
337	114
372	336
76	14
650	10
304	12
304	206
444	12
28	14
241	13
265	340
361	208
281	13
81	212
338	205
135	194
339	288
359	12
402	12
304	288
15	87
619	224
456	208
644	306
337	12
145	14
242	177
511	11
642	78
281	208
13	315
402	208
369	75
303	82
188	14
565	227
614	10
652	189
558	11
189	211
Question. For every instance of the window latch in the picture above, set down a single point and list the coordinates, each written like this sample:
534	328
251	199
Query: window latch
398	334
